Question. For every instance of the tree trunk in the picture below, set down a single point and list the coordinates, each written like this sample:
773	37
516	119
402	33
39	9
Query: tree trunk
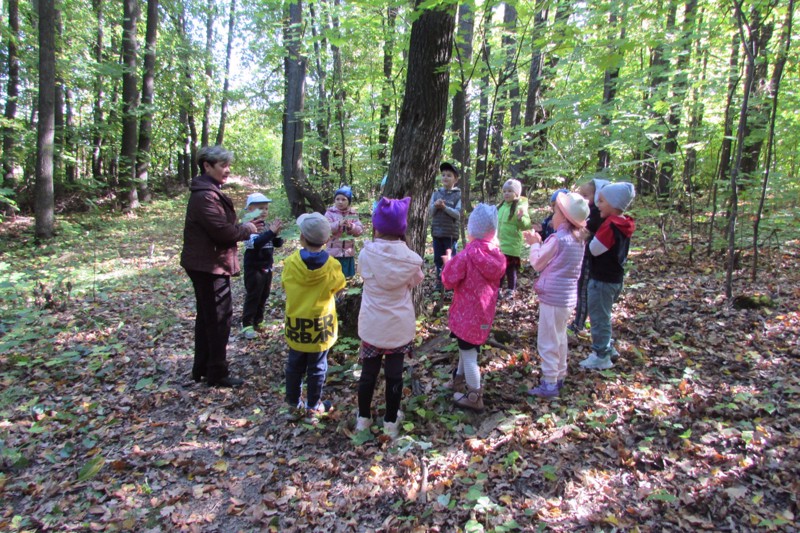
418	141
130	103
70	168
695	117
12	94
323	114
482	144
209	61
148	86
44	207
99	96
460	126
610	88
223	114
773	89
339	96
387	91
512	88
298	189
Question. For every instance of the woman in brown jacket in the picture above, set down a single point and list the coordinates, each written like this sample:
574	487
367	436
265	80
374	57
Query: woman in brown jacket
210	258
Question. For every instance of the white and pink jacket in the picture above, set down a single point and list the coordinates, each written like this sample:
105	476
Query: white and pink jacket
336	246
559	260
390	270
474	275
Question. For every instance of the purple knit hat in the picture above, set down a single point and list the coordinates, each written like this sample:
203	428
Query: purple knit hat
390	215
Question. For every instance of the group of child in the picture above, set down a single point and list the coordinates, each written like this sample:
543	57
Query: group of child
579	252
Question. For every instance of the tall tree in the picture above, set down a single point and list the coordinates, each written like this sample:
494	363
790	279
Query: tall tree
148	89
45	134
12	94
418	140
130	104
209	81
298	189
223	113
387	86
460	125
98	127
617	22
323	114
339	95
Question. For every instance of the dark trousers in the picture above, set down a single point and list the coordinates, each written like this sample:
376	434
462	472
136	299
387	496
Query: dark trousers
512	268
393	371
212	326
440	246
312	365
582	306
257	284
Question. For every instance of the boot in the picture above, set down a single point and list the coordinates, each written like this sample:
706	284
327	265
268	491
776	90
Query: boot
457	384
471	399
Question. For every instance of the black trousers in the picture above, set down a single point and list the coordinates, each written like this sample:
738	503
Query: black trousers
393	371
212	326
257	283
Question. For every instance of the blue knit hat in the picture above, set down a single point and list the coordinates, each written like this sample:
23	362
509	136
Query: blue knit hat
346	191
555	194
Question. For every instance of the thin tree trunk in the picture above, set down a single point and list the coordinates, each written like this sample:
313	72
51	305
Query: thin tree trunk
148	88
99	96
339	96
482	146
460	126
387	91
204	133
130	104
44	206
774	90
298	189
750	66
610	89
70	168
12	95
323	114
223	114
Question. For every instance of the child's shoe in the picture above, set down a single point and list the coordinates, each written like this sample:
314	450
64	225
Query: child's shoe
458	383
313	414
593	362
363	423
249	333
560	384
545	389
293	414
392	429
471	399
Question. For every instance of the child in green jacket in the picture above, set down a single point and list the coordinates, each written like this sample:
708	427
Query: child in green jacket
513	219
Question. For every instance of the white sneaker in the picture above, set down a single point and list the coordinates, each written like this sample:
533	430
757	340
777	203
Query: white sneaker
393	428
363	423
596	363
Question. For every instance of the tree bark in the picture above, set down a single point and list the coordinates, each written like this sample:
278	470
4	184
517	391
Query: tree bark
223	114
130	104
460	125
44	206
298	189
323	114
387	90
482	143
339	96
12	94
98	128
418	141
209	70
148	88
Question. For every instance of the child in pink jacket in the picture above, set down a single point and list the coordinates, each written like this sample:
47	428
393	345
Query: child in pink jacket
474	275
387	321
344	227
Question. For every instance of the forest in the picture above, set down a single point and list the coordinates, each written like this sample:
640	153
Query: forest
105	106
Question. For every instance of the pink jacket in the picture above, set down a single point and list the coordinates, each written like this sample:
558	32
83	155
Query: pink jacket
390	270
474	274
338	247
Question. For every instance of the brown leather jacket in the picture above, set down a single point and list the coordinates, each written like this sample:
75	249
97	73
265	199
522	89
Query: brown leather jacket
211	231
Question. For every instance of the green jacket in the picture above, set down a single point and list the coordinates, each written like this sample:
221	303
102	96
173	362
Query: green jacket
510	231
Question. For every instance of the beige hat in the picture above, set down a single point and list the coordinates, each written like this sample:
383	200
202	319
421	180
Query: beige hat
574	207
315	228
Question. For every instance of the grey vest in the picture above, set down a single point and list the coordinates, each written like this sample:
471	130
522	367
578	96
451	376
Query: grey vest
442	224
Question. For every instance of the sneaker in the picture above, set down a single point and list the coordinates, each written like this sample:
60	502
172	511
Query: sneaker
249	333
593	362
313	414
392	429
363	423
545	389
293	414
614	354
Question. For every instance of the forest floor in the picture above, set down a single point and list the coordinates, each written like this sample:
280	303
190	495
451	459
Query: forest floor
697	427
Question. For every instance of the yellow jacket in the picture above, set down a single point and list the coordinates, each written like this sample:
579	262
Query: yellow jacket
311	323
